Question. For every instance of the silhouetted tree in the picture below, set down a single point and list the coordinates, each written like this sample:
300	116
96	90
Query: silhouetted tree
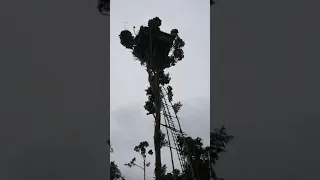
175	175
203	158
156	51
219	138
103	7
142	150
115	173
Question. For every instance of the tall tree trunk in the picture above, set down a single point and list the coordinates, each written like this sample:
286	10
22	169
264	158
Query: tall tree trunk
144	168
157	147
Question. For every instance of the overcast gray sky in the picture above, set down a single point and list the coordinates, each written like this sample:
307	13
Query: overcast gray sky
190	77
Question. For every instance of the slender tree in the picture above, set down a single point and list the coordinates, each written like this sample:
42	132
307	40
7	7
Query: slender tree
142	150
156	51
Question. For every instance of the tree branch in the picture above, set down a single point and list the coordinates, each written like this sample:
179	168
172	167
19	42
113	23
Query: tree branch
139	166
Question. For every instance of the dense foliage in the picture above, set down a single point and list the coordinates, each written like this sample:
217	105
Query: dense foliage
115	173
103	7
140	45
201	156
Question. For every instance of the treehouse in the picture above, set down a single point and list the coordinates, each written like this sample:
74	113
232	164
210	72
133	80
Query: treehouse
160	44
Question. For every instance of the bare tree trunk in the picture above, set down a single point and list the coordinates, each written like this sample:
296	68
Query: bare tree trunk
157	147
144	169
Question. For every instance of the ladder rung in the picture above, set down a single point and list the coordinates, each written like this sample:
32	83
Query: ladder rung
172	147
171	128
169	116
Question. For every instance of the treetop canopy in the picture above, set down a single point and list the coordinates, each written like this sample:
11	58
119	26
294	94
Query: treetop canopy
152	47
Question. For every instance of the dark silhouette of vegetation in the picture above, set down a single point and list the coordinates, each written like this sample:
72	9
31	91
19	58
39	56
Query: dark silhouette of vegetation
115	173
203	158
175	175
142	150
157	51
103	7
163	141
219	138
